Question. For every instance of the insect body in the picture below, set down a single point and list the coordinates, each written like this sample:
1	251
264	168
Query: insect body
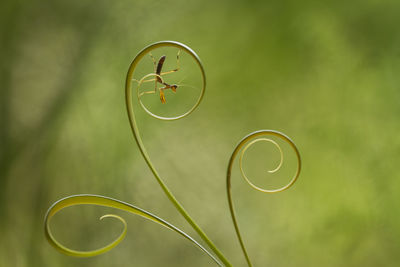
173	87
158	77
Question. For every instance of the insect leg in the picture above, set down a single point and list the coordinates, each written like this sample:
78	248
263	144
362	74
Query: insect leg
155	71
177	65
145	81
154	61
145	93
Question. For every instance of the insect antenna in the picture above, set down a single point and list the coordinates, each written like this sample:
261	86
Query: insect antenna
179	84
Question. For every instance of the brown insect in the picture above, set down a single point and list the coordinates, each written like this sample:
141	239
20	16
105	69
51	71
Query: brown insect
158	77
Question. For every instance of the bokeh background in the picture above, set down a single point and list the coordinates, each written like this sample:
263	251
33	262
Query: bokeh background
326	73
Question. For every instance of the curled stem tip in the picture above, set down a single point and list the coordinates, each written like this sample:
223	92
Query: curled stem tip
112	203
242	146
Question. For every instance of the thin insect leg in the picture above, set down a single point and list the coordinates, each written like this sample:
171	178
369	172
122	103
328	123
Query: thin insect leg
158	78
146	92
154	61
177	65
144	81
154	69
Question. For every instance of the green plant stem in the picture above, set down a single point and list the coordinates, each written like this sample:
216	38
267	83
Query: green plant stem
239	146
88	199
174	201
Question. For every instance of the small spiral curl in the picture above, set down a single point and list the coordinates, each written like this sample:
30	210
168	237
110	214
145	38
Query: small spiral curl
88	199
241	148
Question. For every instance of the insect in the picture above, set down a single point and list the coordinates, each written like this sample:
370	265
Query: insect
158	77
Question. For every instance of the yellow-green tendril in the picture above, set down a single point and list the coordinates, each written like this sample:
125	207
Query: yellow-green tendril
105	202
245	143
136	134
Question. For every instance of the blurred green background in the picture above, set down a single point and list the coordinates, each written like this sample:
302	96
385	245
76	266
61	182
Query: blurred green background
326	73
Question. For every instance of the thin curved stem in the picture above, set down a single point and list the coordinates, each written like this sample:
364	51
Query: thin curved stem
138	139
239	146
106	202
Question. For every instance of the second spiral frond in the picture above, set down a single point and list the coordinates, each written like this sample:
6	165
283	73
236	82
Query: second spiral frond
242	147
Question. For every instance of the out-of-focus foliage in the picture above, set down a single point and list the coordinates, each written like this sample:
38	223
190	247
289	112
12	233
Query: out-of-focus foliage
324	72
